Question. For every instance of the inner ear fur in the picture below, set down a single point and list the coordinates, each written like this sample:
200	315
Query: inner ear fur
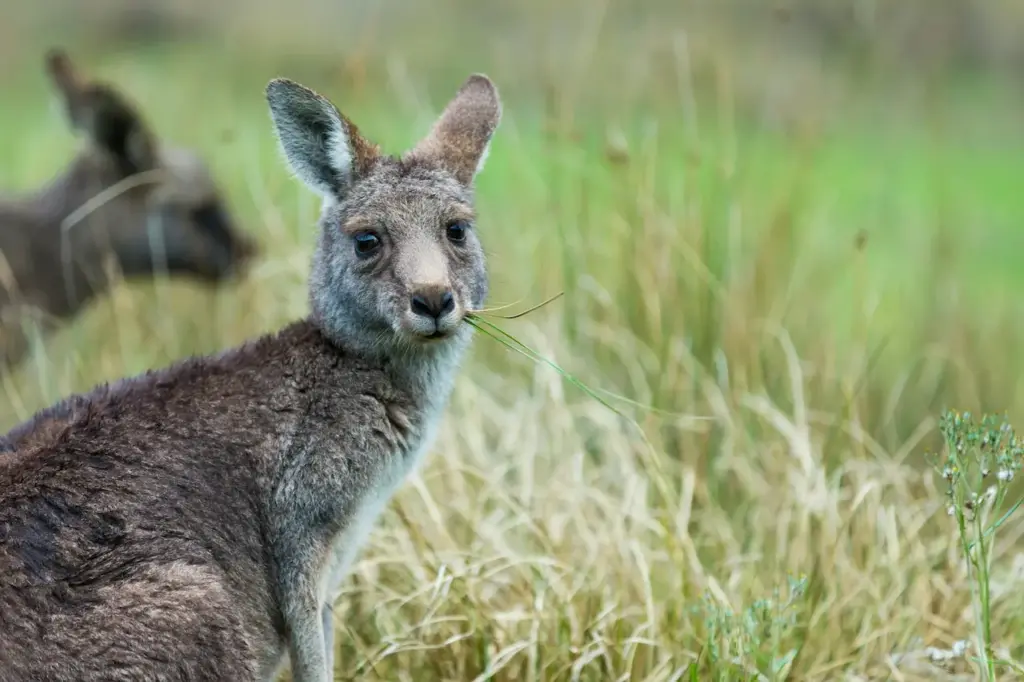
461	136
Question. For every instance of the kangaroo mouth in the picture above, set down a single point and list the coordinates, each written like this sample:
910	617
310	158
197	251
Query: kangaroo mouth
429	338
418	328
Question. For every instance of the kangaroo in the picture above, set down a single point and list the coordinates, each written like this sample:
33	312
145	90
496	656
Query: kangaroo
125	200
195	522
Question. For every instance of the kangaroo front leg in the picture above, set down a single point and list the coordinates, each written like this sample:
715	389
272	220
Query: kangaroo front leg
327	622
306	644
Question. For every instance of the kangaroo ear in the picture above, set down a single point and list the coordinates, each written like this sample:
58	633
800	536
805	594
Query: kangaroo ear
461	137
63	74
103	114
322	147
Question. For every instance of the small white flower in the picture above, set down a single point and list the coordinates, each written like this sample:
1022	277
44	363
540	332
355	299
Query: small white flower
1005	475
960	647
951	510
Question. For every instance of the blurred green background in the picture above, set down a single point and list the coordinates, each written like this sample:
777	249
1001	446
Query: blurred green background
794	227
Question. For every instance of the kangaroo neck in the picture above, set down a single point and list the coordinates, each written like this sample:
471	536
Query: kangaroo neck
426	372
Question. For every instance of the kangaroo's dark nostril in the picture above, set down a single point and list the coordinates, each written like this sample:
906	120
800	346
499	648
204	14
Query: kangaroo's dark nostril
433	304
447	303
420	306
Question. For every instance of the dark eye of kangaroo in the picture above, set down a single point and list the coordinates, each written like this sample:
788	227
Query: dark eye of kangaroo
456	231
366	244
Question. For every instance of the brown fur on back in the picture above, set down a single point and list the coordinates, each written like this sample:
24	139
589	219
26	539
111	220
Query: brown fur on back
87	513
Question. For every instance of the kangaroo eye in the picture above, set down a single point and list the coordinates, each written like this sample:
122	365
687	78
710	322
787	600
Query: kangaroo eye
366	243
457	231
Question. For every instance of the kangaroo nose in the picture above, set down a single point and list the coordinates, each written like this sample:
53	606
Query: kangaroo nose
433	303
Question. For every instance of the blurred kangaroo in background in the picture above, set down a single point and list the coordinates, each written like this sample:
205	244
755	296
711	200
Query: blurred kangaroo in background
195	522
125	206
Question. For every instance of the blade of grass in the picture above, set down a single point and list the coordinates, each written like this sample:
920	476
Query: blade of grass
510	341
521	348
520	314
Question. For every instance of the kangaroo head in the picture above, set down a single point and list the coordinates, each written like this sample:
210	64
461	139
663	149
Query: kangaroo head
175	218
398	263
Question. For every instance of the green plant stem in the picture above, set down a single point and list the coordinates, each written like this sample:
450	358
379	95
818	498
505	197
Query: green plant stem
983	605
976	568
1002	519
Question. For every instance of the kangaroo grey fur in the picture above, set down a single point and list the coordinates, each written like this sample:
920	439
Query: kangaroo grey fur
194	523
173	220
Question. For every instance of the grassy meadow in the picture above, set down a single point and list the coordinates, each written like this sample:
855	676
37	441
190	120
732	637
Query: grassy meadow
787	285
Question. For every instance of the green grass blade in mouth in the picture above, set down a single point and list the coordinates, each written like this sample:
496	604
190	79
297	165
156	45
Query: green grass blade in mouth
516	316
511	342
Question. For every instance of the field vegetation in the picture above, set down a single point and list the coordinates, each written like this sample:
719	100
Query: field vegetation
784	256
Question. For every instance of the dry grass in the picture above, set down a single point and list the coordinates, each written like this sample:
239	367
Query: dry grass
798	303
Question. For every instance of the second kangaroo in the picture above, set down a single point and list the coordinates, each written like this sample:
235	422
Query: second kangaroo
126	201
194	523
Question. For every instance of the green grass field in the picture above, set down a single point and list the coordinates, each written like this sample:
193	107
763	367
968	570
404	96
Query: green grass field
799	302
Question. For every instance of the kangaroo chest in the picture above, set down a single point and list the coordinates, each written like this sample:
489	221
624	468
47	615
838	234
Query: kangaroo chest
345	545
